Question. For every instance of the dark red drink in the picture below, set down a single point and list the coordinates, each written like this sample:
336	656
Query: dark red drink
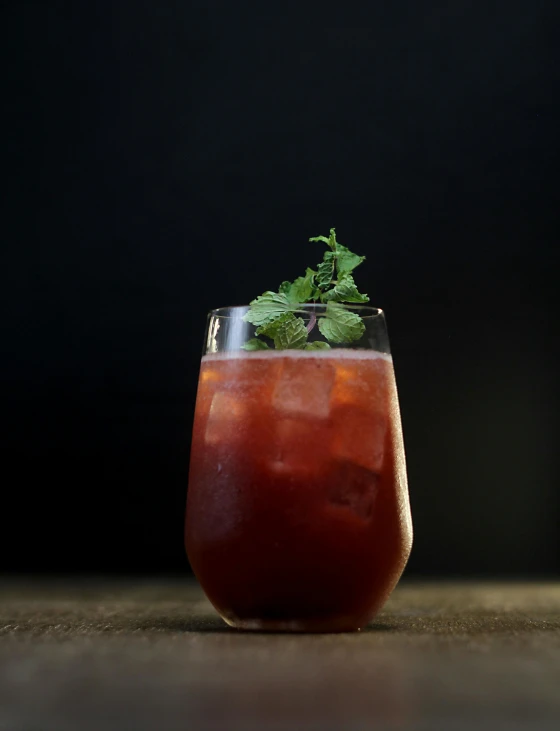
297	512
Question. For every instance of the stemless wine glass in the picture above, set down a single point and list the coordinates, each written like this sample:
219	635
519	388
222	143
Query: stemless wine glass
298	516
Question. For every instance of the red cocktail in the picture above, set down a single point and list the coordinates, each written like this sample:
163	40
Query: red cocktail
298	515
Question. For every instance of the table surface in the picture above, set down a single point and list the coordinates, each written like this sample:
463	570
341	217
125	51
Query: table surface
153	655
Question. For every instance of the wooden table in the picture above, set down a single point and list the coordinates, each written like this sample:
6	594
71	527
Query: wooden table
153	655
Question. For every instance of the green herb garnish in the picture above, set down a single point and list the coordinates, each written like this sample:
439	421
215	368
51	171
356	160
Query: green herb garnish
331	283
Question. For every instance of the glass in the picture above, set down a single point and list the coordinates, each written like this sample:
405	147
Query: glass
298	516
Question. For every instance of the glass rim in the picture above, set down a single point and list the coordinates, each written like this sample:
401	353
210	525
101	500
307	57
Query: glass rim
365	311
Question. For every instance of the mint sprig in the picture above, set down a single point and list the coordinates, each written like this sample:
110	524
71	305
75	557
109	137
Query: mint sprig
331	283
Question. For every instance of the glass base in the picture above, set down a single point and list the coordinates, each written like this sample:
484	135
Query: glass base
340	624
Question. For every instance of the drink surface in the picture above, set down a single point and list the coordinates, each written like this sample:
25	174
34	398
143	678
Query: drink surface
297	510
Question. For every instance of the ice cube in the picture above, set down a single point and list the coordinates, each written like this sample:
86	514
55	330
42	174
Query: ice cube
359	385
359	436
353	488
225	417
304	388
297	447
208	375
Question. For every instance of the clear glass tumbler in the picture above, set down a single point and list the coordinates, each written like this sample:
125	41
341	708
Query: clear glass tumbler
298	515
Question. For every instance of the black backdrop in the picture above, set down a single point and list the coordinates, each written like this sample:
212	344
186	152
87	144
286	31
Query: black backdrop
164	158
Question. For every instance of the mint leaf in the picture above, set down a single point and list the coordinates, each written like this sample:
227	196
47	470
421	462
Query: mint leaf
317	345
270	328
291	334
330	241
267	308
302	289
284	288
340	325
255	344
339	258
346	261
344	291
324	239
325	270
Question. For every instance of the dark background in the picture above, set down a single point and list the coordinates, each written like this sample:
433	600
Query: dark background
160	159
